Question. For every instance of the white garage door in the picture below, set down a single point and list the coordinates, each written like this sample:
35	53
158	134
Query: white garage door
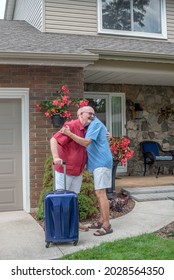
11	195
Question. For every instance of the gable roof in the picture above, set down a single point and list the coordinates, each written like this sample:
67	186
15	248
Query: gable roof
106	59
20	37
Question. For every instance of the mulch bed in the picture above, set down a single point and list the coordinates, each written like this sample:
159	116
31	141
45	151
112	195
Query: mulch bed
167	231
119	205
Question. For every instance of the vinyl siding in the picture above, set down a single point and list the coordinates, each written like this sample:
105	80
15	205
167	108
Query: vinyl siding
170	19
30	11
71	16
9	9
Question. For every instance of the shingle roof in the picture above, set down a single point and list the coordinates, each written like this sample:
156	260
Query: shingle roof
19	36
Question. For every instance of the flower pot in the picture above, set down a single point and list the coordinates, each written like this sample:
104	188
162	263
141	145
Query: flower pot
57	120
114	169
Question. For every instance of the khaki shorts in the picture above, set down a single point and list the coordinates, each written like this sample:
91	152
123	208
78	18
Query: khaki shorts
102	178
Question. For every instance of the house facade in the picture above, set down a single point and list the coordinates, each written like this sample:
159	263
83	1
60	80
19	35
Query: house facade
118	54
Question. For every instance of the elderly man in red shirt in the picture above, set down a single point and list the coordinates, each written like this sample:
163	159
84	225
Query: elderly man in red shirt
63	148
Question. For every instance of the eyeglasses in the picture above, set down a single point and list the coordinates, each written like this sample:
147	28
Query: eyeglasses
90	113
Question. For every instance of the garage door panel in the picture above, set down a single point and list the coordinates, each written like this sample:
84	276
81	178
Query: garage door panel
7	195
9	139
6	167
6	137
11	196
11	167
10	111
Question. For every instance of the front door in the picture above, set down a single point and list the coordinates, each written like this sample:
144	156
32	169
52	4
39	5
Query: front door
11	191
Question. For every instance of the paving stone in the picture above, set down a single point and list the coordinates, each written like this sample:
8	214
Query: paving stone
153	196
151	193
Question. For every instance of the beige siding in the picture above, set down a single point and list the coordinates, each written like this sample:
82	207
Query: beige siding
170	19
9	9
71	16
30	11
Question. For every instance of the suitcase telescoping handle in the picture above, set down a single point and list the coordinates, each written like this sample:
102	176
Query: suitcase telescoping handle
64	171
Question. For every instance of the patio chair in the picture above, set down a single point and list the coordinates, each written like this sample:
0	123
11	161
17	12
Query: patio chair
153	154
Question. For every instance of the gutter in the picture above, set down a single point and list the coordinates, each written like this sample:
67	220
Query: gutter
30	58
133	56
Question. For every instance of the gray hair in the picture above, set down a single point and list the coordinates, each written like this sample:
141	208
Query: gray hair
86	108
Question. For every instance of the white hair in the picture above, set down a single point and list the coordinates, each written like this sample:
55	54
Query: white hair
86	108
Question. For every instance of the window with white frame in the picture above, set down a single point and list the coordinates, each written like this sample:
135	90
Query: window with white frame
145	18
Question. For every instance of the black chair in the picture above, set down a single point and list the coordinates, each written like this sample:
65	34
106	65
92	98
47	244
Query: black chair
154	155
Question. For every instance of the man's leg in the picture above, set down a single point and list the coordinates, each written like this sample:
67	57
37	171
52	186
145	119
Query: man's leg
104	207
102	180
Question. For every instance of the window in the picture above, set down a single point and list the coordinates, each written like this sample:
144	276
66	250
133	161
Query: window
145	18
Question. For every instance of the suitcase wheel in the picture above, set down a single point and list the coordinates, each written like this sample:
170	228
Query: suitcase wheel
75	243
47	244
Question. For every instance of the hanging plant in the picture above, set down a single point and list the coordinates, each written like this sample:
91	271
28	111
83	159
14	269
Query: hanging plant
61	105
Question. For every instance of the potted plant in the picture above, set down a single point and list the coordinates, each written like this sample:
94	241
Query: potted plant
121	152
59	108
120	149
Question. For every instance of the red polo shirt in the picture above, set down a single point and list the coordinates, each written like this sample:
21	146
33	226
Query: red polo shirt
72	153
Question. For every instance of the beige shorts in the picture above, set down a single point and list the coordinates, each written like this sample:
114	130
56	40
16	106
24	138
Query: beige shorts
102	178
73	183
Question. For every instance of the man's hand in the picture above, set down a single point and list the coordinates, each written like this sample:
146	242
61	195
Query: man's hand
65	130
57	161
108	135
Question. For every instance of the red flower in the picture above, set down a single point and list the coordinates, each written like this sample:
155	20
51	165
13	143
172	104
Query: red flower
83	103
60	104
120	149
65	90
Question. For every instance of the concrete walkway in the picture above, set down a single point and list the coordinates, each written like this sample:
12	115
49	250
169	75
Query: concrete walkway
22	238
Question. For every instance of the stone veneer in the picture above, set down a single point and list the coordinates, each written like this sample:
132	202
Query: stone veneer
145	124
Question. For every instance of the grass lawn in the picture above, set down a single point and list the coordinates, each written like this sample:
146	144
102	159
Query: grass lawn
142	247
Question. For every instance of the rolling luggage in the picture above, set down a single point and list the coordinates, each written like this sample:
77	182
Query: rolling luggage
61	216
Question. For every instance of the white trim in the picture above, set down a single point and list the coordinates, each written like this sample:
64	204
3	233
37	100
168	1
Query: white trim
49	58
43	16
23	94
162	35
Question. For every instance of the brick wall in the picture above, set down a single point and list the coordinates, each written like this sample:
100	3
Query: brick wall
42	82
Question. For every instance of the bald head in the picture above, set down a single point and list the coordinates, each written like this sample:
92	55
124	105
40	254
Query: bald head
85	119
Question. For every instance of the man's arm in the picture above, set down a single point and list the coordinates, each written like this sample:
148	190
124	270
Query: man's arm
54	151
81	141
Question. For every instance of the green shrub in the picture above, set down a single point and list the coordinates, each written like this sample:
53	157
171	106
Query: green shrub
87	200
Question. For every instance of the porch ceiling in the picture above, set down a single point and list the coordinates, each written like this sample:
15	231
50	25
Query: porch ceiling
130	72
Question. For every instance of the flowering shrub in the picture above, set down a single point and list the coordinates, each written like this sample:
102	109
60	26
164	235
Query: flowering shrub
120	149
60	105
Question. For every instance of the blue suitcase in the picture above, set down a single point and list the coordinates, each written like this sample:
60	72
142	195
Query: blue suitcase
61	216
